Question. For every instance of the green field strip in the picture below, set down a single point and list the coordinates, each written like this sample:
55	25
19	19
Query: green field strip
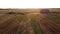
35	26
20	19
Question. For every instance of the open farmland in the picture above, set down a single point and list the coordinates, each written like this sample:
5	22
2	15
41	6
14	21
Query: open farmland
30	23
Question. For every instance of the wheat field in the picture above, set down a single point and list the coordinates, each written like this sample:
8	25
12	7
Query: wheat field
30	23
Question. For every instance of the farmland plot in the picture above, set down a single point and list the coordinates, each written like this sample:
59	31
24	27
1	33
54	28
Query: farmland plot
29	24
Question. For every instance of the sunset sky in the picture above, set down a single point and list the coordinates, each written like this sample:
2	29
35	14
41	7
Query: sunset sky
29	4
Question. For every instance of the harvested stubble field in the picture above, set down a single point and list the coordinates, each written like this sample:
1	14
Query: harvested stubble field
30	23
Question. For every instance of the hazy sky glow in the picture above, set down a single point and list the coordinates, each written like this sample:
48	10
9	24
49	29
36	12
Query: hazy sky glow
29	3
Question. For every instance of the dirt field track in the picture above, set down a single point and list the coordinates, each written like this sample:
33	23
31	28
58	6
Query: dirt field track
30	24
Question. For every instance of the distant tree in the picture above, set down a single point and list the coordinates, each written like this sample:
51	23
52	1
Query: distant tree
44	11
11	13
16	13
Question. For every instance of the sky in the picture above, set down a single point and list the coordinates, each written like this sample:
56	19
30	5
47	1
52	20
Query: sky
29	4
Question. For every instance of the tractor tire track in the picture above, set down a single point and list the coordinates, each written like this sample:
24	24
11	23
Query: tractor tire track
46	24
